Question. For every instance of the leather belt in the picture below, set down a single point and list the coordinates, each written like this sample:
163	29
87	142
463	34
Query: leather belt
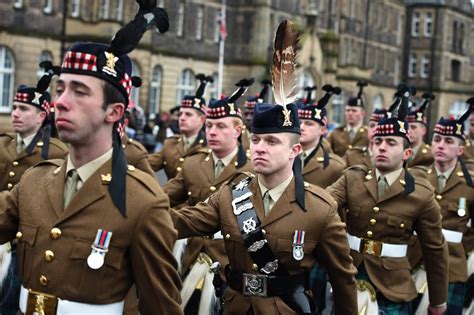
376	248
452	236
32	302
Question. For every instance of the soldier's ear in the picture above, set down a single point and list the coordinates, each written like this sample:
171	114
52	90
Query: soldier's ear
407	153
114	112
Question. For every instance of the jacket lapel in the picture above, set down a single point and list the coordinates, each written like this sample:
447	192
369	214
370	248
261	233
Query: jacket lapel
55	189
11	148
228	171
395	189
207	165
282	207
454	179
257	199
370	183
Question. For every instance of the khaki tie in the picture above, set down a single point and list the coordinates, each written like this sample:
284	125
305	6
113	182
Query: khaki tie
441	182
382	186
303	157
71	186
20	145
351	135
218	168
186	145
267	202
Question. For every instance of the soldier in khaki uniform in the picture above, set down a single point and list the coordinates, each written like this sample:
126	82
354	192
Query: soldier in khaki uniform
384	206
354	133
455	194
191	138
89	227
29	145
136	155
418	129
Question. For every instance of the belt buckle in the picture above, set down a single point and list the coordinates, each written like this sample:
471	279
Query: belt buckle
254	285
41	303
371	247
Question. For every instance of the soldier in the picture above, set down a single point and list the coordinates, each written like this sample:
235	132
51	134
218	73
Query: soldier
29	145
89	227
354	133
247	114
418	129
455	194
469	145
191	138
384	206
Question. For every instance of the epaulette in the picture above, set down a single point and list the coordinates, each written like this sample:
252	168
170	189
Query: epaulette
358	148
319	192
144	178
134	143
7	134
426	149
422	168
55	162
359	167
340	128
204	150
175	138
58	143
336	158
424	182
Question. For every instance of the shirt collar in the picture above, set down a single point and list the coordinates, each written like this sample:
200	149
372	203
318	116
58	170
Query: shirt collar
309	151
276	191
26	140
86	170
447	173
227	159
190	139
355	128
390	177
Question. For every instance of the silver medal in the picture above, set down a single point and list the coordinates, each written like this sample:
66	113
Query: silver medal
298	252
95	260
461	212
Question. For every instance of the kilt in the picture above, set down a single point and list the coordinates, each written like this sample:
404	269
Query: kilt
318	279
456	291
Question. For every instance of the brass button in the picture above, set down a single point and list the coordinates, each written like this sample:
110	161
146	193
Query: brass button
373	221
181	159
402	225
255	267
369	233
350	146
10	186
49	255
212	188
227	236
236	163
11	174
376	209
189	193
164	163
439	197
131	168
178	168
123	146
15	163
201	141
43	280
264	232
55	233
19	235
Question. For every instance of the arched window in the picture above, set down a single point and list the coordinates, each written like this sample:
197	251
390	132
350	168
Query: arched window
7	77
155	90
186	85
44	56
135	95
378	101
305	79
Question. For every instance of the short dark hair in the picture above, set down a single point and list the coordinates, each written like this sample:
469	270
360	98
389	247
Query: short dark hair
112	95
294	138
406	144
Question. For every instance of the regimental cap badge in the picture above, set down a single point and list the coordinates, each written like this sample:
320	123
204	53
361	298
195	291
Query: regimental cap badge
419	116
459	129
317	113
37	97
287	117
232	109
401	125
109	67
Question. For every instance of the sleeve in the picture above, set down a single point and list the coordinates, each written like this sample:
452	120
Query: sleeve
156	160
333	253
200	220
435	251
338	192
175	188
9	214
153	263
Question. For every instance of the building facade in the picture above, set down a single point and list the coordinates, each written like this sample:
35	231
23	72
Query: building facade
343	41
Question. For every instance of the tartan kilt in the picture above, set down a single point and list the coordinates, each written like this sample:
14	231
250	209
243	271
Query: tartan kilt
318	279
456	291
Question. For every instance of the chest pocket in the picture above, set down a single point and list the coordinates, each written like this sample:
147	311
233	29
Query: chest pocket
84	281
25	249
400	223
284	252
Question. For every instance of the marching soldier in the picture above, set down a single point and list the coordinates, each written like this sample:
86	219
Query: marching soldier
455	194
29	145
192	115
247	114
354	133
384	206
418	129
136	154
88	227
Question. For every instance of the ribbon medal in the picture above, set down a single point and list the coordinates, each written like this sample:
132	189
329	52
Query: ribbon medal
298	243
99	249
462	207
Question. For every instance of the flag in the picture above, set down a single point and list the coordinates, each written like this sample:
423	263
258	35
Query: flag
221	23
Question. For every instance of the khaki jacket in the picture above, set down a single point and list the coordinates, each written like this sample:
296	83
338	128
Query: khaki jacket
468	150
137	155
172	155
325	242
358	155
315	173
13	165
393	219
140	250
339	140
423	157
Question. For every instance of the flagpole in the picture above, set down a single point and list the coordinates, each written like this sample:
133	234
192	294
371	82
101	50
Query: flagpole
221	52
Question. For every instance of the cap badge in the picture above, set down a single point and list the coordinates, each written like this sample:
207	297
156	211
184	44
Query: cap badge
317	115
286	114
232	109
401	124
459	129
36	100
197	102
109	68
419	116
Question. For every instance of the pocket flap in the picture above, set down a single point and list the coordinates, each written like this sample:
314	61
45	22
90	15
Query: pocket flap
399	222
82	249
28	232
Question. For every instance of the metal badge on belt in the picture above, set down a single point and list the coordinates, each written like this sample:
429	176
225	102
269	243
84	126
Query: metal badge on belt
100	247
298	243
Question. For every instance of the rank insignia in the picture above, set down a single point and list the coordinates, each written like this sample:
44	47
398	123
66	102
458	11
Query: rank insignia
100	247
109	67
298	244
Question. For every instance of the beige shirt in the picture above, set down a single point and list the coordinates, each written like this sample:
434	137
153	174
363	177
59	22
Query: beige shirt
446	174
26	140
390	177
86	170
275	192
227	159
191	139
309	151
355	128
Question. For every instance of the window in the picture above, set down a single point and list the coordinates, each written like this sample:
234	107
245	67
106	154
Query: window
455	70
457	109
44	56
455	35
415	24
7	72
48	6
186	85
412	66
399	28
428	27
180	20
135	95
199	21
461	38
119	10
338	109
104	9
155	90
378	102
305	79
425	67
75	8
212	87
18	4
